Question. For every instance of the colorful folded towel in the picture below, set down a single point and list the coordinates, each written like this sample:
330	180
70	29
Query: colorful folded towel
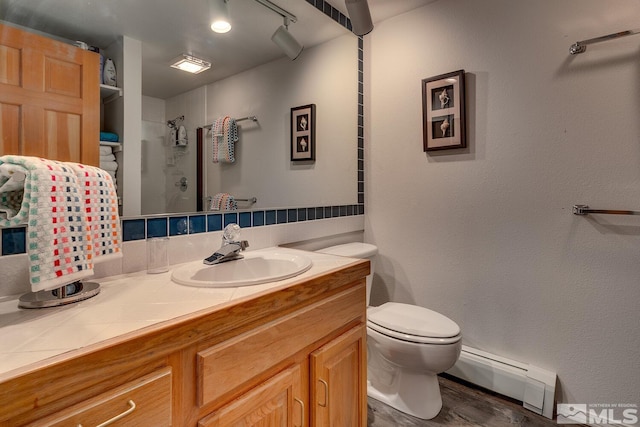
223	202
224	135
71	214
109	137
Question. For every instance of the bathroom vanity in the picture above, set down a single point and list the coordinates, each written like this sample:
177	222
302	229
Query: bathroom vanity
288	353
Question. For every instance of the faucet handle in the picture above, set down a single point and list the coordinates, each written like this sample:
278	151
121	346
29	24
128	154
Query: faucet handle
231	233
244	244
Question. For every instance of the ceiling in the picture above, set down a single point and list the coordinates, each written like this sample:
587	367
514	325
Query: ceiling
168	28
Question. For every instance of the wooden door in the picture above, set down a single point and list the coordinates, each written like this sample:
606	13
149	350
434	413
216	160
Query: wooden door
49	98
275	403
339	382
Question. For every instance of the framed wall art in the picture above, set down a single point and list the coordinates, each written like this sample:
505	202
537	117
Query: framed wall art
443	112
303	133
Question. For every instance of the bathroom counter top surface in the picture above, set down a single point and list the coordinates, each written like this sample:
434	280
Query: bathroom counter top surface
126	304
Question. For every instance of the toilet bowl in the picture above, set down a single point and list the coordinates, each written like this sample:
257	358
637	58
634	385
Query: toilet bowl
407	346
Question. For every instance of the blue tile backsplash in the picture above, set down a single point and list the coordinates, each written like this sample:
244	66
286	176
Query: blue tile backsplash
14	239
157	227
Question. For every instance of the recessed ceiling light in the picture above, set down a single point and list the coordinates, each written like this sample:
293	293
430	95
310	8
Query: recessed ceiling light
190	64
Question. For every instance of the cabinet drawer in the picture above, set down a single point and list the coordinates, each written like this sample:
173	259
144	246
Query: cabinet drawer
236	362
146	401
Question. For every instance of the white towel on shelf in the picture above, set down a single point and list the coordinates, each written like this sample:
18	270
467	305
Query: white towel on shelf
107	158
109	166
105	150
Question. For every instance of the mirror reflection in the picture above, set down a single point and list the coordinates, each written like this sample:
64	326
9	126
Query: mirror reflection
250	76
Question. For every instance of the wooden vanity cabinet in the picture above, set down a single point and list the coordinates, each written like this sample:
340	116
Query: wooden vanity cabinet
337	391
292	356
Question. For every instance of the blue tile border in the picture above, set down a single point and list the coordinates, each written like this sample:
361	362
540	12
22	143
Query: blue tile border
14	239
157	227
214	222
197	223
178	225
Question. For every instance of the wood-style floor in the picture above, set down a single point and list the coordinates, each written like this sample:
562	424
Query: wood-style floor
462	405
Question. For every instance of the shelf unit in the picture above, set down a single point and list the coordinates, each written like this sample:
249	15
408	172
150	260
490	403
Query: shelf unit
109	93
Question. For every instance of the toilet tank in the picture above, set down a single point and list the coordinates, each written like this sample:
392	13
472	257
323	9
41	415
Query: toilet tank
356	250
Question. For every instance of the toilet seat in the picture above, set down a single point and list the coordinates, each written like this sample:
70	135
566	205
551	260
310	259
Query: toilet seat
412	323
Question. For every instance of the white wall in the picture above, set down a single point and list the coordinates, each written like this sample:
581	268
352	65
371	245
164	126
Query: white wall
486	235
325	75
154	153
181	161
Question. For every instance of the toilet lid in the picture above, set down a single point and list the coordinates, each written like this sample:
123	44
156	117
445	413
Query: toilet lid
413	320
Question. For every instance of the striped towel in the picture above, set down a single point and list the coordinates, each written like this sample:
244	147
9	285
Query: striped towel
64	206
224	135
223	202
100	203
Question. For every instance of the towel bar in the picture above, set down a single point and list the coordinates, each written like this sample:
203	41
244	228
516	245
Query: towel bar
584	210
252	118
581	46
252	200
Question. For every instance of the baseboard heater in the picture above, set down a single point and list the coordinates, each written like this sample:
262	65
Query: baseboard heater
533	386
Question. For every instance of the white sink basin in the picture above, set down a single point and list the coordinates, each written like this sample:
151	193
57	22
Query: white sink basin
255	268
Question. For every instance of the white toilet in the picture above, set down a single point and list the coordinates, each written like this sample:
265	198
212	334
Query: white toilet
407	346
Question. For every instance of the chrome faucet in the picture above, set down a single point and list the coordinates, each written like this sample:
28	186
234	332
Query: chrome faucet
231	246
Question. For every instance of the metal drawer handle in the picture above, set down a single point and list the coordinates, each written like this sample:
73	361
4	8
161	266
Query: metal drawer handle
132	407
301	411
326	393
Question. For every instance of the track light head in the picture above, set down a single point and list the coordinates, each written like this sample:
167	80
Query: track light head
283	38
219	14
360	16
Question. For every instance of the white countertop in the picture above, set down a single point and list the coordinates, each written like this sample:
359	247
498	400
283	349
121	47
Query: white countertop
126	303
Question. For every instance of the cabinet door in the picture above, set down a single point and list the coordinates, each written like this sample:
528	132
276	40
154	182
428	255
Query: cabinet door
275	403
49	98
339	382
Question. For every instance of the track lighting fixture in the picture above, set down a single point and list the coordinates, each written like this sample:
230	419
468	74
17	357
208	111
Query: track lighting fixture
282	37
360	16
219	14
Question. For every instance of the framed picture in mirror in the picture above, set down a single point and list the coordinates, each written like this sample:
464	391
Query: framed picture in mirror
443	111
303	133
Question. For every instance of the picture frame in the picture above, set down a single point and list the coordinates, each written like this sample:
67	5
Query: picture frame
443	111
303	133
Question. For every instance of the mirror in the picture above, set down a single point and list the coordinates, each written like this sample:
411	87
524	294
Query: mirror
324	76
258	80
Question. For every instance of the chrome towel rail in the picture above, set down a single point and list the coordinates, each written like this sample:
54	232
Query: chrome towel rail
252	200
579	47
584	210
252	118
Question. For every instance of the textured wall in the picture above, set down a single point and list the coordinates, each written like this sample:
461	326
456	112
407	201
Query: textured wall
486	235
